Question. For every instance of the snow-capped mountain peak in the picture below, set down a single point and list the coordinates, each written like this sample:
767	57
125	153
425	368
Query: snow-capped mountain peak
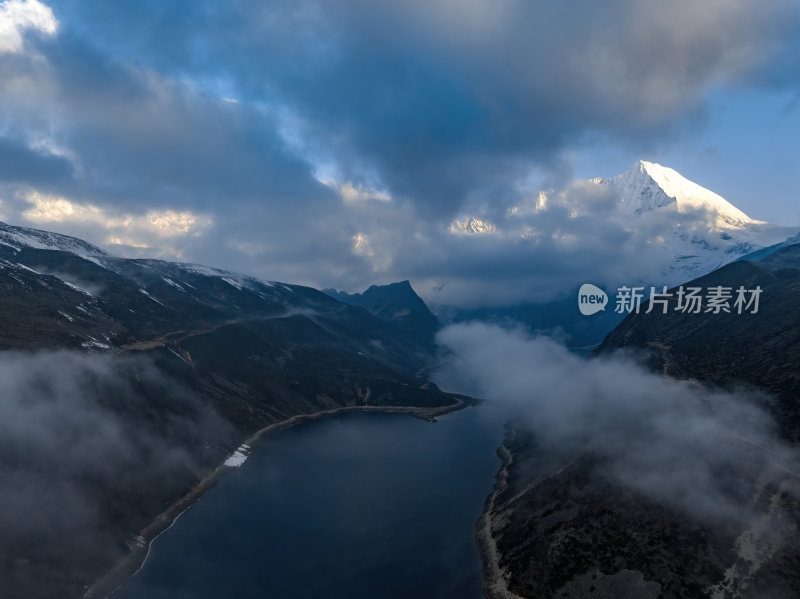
699	229
647	186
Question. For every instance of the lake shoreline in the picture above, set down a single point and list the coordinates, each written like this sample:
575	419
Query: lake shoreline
130	564
495	582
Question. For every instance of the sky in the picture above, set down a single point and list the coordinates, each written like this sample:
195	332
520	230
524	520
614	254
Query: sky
340	144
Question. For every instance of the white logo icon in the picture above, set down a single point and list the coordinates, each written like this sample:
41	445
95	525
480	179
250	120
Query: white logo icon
591	299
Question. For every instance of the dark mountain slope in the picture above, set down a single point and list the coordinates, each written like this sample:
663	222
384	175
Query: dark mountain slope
727	350
397	304
139	377
557	525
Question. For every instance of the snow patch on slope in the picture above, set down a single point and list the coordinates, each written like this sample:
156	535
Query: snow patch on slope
239	282
21	237
145	292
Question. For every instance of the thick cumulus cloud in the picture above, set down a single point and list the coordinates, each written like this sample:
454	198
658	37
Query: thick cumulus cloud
451	100
334	143
694	449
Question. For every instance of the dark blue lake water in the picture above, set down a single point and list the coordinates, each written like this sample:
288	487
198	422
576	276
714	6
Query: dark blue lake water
353	506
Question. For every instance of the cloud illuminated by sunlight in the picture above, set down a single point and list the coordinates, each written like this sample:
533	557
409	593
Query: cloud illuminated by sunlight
136	231
352	194
361	245
169	222
16	16
49	208
379	258
471	226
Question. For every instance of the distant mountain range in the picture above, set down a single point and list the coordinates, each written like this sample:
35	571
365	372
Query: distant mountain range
697	230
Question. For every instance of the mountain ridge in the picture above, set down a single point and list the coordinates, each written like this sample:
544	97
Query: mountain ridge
398	304
182	360
12	235
648	186
718	348
701	230
597	537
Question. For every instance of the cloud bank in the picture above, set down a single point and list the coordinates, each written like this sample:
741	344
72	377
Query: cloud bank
690	448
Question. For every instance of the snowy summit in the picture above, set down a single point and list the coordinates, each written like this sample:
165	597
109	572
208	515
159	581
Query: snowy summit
700	230
647	186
